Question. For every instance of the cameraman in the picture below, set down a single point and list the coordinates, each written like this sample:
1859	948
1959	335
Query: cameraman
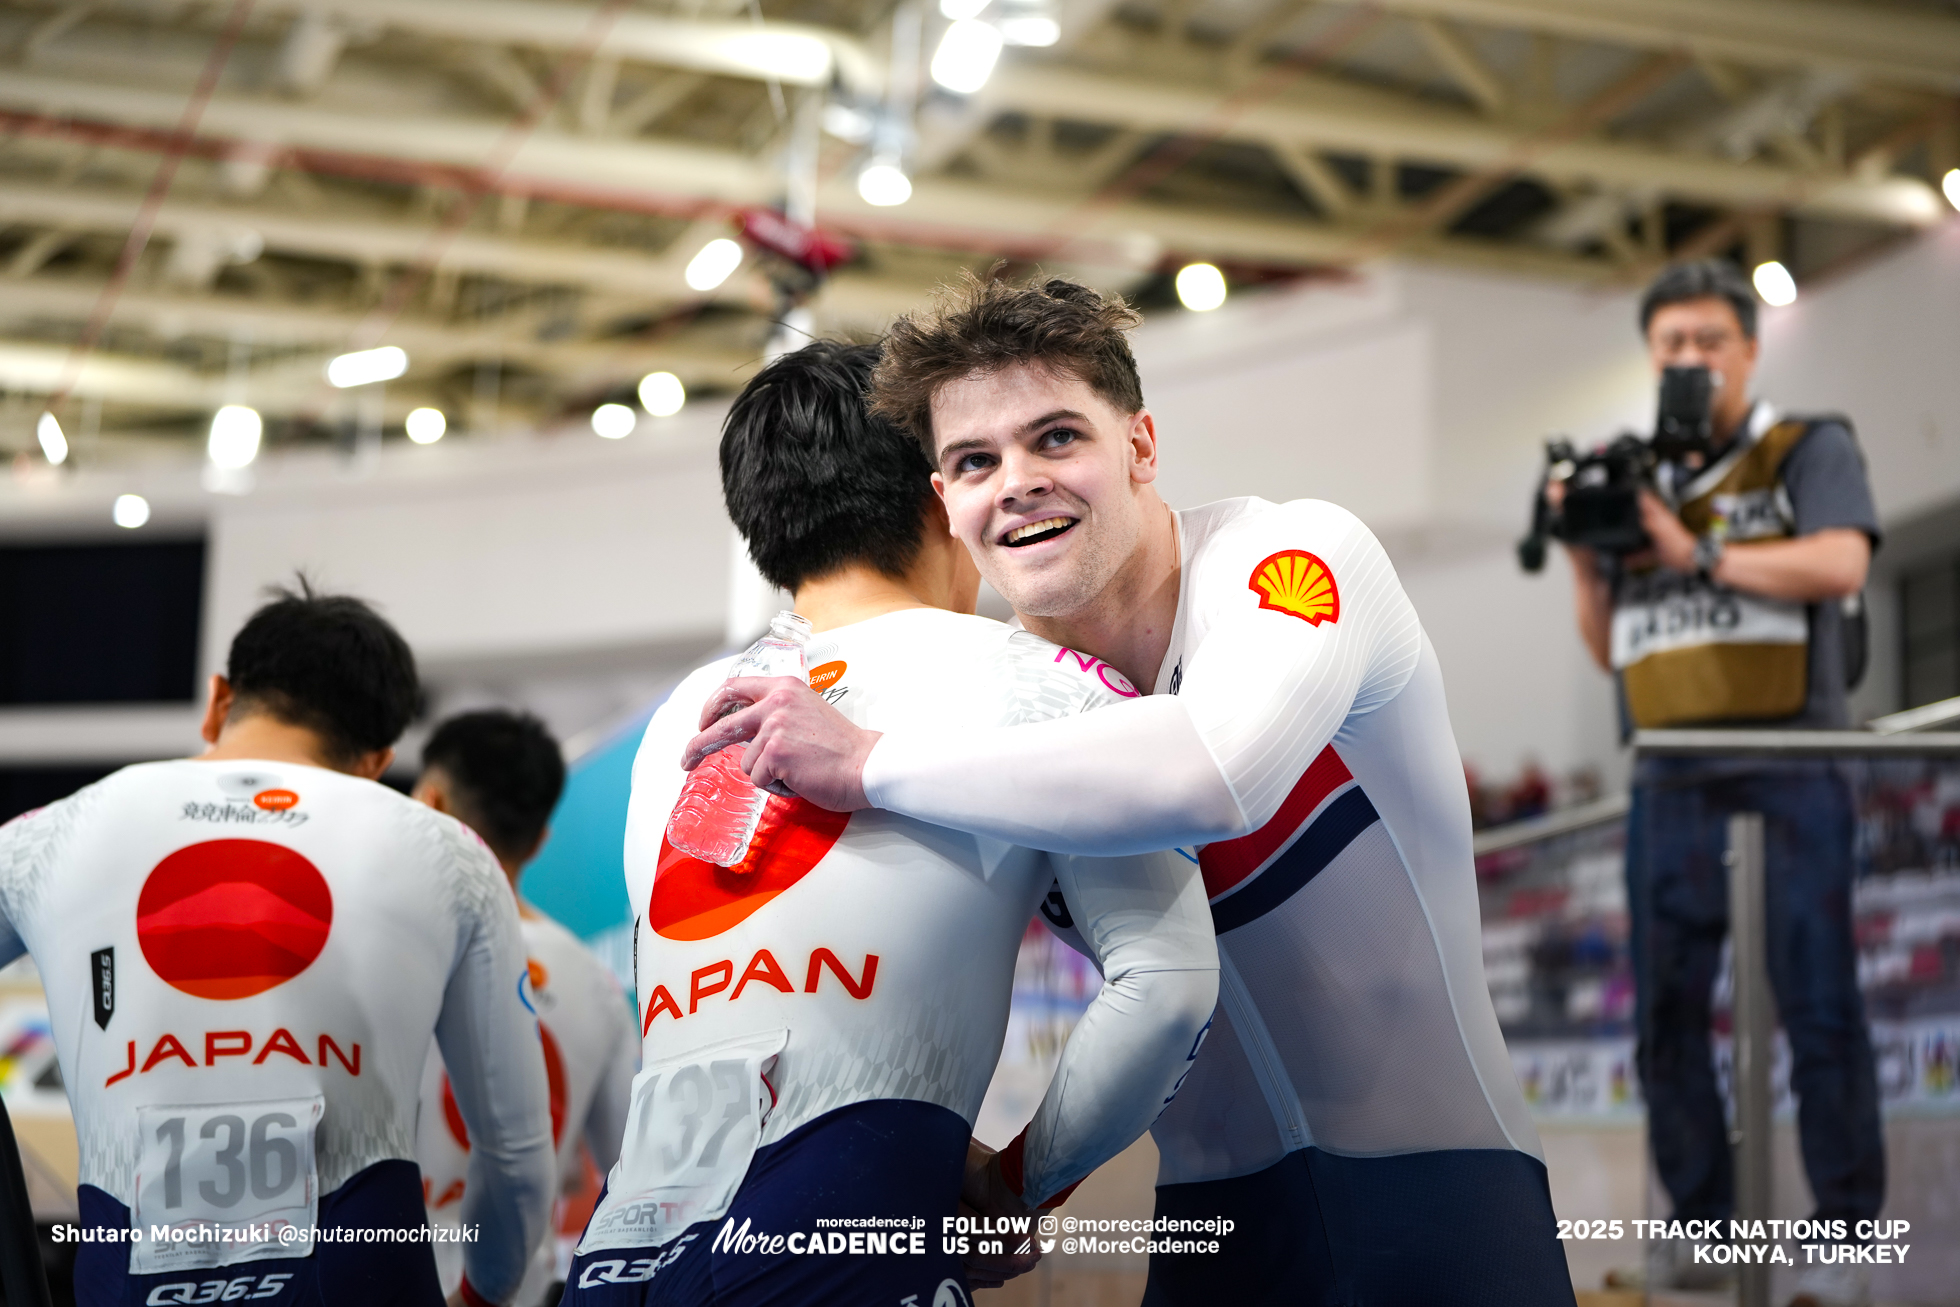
1733	617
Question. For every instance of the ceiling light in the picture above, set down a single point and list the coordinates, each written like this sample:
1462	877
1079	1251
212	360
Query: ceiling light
1775	284
661	394
614	421
1200	287
53	443
131	511
1951	185
884	185
425	425
366	366
717	260
1030	29
958	9
847	122
235	432
965	57
795	57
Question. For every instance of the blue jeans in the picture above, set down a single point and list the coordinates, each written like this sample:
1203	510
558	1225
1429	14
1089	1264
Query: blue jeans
1678	896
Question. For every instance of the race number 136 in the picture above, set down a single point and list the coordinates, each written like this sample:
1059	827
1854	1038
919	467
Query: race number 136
246	1169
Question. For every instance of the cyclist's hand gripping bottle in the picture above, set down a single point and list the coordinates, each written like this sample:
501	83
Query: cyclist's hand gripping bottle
716	816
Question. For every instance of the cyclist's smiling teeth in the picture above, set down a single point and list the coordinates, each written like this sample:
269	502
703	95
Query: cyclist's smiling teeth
1036	532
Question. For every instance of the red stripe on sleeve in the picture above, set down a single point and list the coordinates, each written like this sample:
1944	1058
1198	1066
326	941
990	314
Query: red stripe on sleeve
1228	862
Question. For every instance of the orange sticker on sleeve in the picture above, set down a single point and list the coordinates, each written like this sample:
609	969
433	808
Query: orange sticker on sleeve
1294	581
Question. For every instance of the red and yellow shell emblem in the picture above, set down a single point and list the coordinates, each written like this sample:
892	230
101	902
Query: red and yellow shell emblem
1294	581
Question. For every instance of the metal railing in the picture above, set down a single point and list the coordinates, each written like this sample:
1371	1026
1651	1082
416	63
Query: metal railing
1753	1004
1926	717
1565	821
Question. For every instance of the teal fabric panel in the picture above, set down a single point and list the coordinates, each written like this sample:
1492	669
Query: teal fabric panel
579	877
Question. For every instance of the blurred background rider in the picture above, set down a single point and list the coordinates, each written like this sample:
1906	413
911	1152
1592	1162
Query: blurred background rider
500	773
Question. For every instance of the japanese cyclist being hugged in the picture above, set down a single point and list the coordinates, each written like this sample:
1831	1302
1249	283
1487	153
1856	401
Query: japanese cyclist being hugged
823	995
1353	1110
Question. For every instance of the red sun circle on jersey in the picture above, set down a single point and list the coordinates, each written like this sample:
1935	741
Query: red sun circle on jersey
228	919
693	900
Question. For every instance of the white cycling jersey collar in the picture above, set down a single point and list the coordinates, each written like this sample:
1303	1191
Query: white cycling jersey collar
1167	669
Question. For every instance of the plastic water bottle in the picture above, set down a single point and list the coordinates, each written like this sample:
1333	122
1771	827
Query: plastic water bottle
716	816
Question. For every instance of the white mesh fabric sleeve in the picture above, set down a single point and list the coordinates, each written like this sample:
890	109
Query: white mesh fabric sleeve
1148	925
1262	695
29	846
15	868
489	1041
1128	778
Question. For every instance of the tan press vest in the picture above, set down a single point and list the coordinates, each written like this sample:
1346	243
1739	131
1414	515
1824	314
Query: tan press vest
1689	650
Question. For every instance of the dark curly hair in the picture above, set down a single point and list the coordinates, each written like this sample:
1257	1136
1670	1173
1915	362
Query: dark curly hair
981	325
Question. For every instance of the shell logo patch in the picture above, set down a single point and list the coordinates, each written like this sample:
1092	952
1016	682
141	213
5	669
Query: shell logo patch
1293	581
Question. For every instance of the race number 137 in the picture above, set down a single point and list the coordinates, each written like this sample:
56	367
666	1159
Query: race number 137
699	1105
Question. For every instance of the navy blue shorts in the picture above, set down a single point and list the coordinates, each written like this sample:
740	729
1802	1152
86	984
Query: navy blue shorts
1466	1227
884	1158
385	1196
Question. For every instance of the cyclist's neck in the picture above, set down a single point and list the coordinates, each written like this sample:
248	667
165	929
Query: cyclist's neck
262	737
940	576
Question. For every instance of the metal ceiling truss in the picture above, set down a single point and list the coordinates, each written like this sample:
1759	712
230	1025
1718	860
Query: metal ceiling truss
519	185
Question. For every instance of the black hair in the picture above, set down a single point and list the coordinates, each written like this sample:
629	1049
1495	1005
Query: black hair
329	664
1702	279
812	480
505	774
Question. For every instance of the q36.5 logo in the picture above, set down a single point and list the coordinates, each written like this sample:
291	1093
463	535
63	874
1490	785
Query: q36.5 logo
197	1291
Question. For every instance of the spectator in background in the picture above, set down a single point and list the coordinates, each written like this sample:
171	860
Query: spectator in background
1733	617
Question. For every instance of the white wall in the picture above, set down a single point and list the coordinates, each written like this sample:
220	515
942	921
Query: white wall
523	548
1882	343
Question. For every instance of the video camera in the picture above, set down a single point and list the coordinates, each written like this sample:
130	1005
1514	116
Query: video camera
1601	508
